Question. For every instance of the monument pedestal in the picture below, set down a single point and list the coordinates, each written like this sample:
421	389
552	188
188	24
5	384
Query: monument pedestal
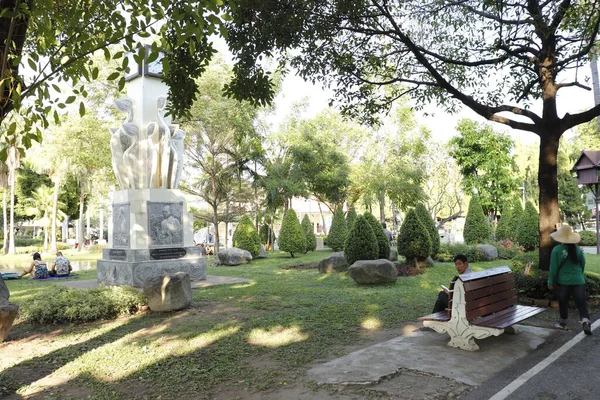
149	235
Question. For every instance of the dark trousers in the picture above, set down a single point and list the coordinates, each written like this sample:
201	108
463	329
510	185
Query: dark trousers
441	303
578	292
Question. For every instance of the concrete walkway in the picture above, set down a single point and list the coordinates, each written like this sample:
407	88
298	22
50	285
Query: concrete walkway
426	352
210	281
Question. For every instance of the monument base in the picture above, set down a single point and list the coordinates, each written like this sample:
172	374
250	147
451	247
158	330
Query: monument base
136	267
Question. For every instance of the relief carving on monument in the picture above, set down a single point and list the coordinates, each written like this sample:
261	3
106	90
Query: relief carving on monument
146	157
165	223
121	225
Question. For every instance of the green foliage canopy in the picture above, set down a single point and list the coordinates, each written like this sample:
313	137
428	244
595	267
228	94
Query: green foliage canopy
477	230
338	232
361	243
429	224
292	238
245	236
383	244
413	239
311	239
527	234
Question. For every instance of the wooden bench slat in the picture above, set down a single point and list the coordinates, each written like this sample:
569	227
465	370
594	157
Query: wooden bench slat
438	316
508	317
492	308
492	280
492	299
489	290
485	273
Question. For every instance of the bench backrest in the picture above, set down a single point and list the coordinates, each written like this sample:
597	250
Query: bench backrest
488	291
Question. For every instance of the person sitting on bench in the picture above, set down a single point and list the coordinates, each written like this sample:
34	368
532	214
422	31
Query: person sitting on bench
61	266
462	267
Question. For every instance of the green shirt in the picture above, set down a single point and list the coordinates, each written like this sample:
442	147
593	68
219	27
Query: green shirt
570	273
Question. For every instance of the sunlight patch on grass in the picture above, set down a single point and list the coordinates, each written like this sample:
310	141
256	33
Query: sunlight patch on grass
276	337
243	285
371	323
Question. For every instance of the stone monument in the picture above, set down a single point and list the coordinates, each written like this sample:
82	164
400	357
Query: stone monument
150	230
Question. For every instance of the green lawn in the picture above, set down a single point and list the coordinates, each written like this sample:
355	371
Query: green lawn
254	335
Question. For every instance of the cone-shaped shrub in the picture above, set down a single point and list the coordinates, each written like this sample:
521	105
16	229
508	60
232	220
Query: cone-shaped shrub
528	232
338	231
291	237
429	223
267	237
350	218
413	239
477	230
311	239
383	243
504	223
245	236
515	220
361	243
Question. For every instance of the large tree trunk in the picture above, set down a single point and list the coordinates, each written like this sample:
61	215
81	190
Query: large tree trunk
382	206
80	220
322	219
549	213
54	212
595	82
5	220
216	225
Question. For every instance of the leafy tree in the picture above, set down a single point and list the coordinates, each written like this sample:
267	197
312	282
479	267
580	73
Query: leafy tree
527	233
245	236
515	219
485	161
311	239
376	52
292	238
477	230
383	244
428	223
350	218
502	230
338	233
361	243
413	239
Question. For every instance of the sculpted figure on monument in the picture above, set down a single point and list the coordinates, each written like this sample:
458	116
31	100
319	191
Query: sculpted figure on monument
170	228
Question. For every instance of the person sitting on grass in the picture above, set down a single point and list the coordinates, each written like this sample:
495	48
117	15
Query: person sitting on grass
461	263
61	266
38	268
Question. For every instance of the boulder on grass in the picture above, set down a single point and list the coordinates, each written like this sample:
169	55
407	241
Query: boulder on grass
393	255
169	292
234	256
373	271
8	313
336	262
488	251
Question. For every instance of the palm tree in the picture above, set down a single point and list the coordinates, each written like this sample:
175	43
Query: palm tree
41	206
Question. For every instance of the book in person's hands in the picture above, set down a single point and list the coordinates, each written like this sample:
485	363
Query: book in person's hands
445	289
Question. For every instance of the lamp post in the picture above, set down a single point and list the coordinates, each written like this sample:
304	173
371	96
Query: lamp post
587	172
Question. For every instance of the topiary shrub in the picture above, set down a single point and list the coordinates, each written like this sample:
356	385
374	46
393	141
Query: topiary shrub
311	239
528	232
383	243
267	237
477	230
245	236
336	238
588	238
504	223
413	239
350	218
429	223
291	237
61	304
507	249
515	219
520	261
361	243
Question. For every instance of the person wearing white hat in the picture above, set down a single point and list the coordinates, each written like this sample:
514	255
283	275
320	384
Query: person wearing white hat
567	264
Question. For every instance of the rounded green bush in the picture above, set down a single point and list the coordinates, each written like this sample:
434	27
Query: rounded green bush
361	243
350	218
528	233
336	238
311	239
291	237
429	223
413	239
504	223
588	238
245	236
477	230
383	243
515	219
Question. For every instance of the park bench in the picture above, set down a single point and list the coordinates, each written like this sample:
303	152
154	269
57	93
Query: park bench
481	304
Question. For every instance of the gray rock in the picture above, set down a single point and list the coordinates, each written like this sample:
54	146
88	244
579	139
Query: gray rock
169	292
488	251
8	313
4	293
336	262
393	255
373	271
262	253
234	256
